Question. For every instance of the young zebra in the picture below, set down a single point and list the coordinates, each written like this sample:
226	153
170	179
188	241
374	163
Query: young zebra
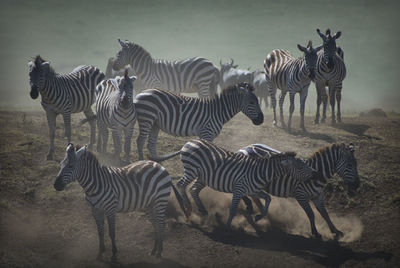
184	116
193	75
287	73
210	165
330	73
115	110
144	185
64	94
327	161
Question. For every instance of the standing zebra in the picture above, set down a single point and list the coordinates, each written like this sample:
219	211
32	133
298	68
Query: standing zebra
184	116
144	185
327	161
64	94
115	110
330	73
193	75
287	73
210	165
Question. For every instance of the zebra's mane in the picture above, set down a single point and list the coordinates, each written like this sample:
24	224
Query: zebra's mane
38	60
234	88
282	155
89	155
133	46
325	149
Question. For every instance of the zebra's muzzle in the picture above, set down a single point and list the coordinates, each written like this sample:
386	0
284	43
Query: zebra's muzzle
259	120
312	75
125	102
59	185
34	92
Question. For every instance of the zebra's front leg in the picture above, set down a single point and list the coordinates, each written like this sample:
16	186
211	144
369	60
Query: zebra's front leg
127	146
99	218
67	125
51	121
111	232
304	203
152	143
291	108
324	97
90	116
338	99
319	101
237	196
195	191
272	94
264	211
144	129
319	204
303	98
281	101
332	93
249	204
102	140
116	134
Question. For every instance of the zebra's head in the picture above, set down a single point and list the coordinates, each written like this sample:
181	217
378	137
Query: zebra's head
249	103
310	56
346	165
125	90
329	44
297	168
38	72
122	58
69	167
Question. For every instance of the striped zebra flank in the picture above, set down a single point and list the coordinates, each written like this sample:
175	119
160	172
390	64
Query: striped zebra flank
115	110
331	71
210	165
141	186
185	116
291	75
327	161
192	75
64	94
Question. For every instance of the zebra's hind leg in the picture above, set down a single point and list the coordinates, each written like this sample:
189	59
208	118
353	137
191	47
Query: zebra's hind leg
272	94
291	108
195	191
237	196
281	101
103	138
338	99
181	186
99	218
152	143
144	129
303	98
264	211
319	204
127	146
111	232
249	204
157	218
51	121
116	134
90	115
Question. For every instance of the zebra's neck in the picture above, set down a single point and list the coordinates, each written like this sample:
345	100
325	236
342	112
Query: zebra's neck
324	161
141	62
91	174
228	104
299	69
50	92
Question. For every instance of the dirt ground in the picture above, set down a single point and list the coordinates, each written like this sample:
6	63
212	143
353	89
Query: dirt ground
40	227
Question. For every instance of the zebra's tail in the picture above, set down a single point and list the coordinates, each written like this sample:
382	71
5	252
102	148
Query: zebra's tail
180	201
90	118
161	158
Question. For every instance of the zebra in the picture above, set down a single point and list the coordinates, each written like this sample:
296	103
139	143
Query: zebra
64	94
210	165
185	116
192	75
326	161
115	110
144	185
331	71
287	73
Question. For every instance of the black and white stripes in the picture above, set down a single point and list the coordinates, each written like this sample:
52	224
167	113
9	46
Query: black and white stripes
287	73
185	116
144	185
64	94
192	75
327	161
115	110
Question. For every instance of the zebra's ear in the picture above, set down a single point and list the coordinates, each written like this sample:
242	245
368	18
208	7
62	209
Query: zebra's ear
121	43
31	65
301	48
132	78
351	147
337	35
81	151
321	35
45	65
70	148
318	48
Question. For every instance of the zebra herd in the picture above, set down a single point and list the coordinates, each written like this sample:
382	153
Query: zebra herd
256	171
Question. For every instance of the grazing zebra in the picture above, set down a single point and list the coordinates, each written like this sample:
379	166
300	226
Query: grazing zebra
64	94
210	165
330	73
287	73
115	110
144	185
327	161
185	116
193	75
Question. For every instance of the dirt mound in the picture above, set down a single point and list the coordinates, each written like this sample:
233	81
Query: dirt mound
377	112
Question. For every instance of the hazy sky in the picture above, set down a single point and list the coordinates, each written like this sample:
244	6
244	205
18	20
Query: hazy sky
71	33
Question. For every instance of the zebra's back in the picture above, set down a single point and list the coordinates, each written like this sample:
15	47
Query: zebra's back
277	64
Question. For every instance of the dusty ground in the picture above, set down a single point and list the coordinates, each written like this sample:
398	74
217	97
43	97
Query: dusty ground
42	227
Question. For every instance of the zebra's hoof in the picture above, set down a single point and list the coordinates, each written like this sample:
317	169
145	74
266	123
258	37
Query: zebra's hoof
114	259
204	212
317	236
258	217
316	121
49	157
338	235
323	121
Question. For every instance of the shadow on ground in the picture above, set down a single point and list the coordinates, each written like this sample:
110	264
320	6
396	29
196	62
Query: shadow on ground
356	129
